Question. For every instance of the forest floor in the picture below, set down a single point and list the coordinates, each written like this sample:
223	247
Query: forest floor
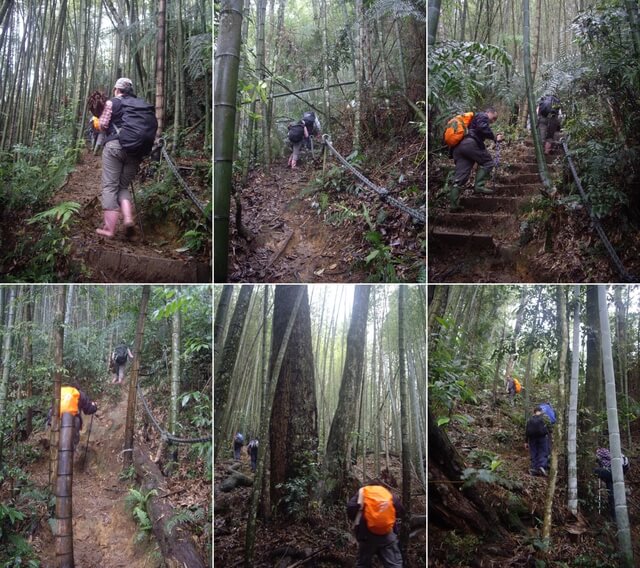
517	234
153	254
105	533
279	544
588	540
302	232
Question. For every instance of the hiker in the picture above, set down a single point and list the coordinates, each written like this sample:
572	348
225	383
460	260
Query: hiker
374	512
96	103
513	387
75	401
603	471
121	354
549	417
548	122
130	126
471	150
536	442
252	450
238	442
301	132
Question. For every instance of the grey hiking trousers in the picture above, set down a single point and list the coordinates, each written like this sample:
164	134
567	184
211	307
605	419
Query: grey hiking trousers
467	153
385	547
118	171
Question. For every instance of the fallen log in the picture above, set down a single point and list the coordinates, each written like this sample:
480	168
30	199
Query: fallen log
236	479
176	546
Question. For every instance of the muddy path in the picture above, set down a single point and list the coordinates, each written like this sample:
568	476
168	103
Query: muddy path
103	529
486	240
151	255
295	237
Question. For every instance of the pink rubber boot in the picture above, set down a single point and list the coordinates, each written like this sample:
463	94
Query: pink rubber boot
127	213
110	222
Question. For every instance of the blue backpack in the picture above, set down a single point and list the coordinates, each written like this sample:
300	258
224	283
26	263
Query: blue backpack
548	410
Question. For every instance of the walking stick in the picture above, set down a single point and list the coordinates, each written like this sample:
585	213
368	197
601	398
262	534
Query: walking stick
84	458
496	163
599	494
135	204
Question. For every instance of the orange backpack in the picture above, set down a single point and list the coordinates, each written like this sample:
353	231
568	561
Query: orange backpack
456	129
69	400
378	509
517	384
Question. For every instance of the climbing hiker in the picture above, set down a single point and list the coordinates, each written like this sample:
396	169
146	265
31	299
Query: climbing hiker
549	417
374	512
300	133
121	354
471	150
74	401
96	103
238	442
513	387
548	121
536	442
130	126
603	471
252	450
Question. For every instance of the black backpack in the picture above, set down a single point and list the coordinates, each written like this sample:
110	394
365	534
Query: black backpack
296	132
139	126
309	119
536	428
549	105
121	354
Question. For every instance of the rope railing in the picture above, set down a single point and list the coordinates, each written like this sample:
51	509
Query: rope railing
166	436
622	271
181	181
382	192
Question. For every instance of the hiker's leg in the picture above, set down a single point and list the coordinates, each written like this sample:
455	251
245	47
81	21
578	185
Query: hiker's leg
111	170
120	373
390	555
129	171
366	550
464	160
295	153
485	166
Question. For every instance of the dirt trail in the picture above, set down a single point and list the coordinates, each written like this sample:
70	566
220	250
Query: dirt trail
153	258
103	529
482	243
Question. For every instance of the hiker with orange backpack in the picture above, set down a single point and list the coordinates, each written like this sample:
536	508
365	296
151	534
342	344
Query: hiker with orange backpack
74	401
513	387
465	135
374	512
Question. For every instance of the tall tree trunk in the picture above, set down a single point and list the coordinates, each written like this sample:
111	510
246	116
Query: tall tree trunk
220	322
572	433
434	17
337	458
405	411
27	347
58	331
619	494
133	380
161	24
227	60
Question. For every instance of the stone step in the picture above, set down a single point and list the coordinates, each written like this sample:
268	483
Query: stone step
441	237
517	178
473	221
523	167
520	189
491	203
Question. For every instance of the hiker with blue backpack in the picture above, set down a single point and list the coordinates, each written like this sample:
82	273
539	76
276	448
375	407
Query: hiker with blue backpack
238	442
549	417
119	358
300	133
130	125
374	511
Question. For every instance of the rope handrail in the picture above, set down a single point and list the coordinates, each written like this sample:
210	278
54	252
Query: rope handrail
181	181
382	192
166	436
595	221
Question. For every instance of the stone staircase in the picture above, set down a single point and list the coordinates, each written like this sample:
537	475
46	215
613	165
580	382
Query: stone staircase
481	242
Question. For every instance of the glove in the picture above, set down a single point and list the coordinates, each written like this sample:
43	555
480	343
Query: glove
96	123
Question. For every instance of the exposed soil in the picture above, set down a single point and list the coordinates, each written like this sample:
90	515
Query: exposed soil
292	240
484	241
151	255
323	530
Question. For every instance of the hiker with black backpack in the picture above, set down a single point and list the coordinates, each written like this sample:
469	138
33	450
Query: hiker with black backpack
119	358
300	133
470	150
130	125
536	442
547	111
374	511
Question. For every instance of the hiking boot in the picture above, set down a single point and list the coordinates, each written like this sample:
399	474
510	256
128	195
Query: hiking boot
454	198
127	213
110	222
481	179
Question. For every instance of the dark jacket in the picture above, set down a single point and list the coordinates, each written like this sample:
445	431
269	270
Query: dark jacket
362	533
536	427
480	128
116	117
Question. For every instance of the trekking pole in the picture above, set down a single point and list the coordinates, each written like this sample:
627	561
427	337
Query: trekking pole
496	163
599	494
84	458
135	204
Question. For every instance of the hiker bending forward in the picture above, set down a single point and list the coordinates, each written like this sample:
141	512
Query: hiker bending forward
536	433
300	133
374	512
75	401
470	151
603	471
119	167
119	359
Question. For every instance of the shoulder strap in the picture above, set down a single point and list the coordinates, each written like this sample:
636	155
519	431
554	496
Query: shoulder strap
356	522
